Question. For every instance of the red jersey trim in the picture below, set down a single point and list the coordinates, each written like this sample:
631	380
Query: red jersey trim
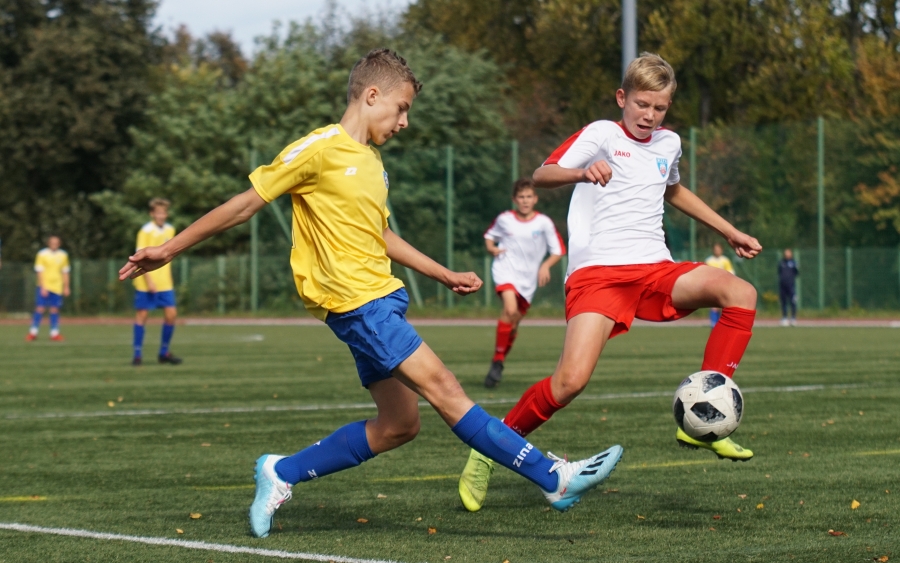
556	155
632	137
562	245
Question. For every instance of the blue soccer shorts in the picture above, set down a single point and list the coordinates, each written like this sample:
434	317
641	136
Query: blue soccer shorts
378	335
146	301
54	300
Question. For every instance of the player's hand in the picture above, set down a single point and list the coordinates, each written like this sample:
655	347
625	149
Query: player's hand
543	276
597	173
463	283
143	261
744	245
44	293
66	292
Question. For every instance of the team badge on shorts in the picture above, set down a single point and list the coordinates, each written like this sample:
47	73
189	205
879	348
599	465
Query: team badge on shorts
662	163
387	184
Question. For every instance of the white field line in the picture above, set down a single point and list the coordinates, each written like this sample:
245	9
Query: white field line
223	548
356	406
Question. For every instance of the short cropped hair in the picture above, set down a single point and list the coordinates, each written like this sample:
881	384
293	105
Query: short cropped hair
649	73
521	185
159	202
383	68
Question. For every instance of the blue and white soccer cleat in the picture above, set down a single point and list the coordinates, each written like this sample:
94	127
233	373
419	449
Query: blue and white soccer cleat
578	477
271	493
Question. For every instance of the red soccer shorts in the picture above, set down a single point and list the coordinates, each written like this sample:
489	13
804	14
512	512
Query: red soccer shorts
625	292
523	304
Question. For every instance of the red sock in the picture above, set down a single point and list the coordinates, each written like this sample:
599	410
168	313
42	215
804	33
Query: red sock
728	340
505	336
509	343
535	407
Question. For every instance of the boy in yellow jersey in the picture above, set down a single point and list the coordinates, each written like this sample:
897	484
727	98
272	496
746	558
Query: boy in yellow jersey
341	262
52	267
720	261
155	290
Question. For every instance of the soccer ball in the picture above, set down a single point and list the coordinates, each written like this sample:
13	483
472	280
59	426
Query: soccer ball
708	406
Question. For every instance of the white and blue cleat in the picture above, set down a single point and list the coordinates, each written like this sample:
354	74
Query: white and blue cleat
271	493
578	477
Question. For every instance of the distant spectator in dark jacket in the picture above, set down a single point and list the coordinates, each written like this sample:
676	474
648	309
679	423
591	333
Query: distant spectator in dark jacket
787	286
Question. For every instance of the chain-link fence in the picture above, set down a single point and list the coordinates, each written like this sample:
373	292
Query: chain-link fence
867	278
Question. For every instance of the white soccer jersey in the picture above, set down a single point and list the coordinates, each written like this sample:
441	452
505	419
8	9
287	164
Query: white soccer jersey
526	244
620	223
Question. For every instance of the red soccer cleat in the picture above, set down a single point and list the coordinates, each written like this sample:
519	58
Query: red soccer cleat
57	338
30	337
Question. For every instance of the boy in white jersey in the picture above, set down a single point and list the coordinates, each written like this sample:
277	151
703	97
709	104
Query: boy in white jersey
619	266
342	268
717	260
519	240
52	268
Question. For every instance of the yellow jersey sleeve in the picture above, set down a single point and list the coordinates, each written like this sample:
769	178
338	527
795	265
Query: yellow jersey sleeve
66	268
143	240
728	267
291	172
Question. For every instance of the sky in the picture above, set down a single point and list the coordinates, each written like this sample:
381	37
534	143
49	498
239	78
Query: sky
247	20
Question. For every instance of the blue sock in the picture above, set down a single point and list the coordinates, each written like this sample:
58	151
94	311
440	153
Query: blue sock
346	448
36	320
714	317
54	322
488	436
167	331
138	340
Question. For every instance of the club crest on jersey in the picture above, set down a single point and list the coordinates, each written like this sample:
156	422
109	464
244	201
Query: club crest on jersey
387	184
663	165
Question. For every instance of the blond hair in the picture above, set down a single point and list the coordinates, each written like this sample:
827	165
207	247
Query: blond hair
159	202
383	68
649	73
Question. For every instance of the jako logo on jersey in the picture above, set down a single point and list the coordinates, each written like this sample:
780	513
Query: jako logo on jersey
387	184
350	171
622	153
522	454
536	234
663	165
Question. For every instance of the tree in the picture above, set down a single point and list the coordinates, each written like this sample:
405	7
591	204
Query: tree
74	79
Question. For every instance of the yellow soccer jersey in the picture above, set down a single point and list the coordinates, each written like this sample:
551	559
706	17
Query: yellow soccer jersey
52	265
339	193
722	263
152	234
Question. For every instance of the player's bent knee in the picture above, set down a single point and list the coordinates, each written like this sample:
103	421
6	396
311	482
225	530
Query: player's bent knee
745	295
396	435
568	384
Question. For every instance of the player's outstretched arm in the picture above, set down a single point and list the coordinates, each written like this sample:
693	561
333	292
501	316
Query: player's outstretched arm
233	212
555	176
405	254
688	203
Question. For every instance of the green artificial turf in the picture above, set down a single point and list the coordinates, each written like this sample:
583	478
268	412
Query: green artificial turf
817	450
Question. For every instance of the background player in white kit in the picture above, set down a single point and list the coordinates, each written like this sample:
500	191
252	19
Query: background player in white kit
619	266
519	240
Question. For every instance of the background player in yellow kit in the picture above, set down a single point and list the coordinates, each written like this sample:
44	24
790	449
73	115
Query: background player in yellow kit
720	261
52	268
155	290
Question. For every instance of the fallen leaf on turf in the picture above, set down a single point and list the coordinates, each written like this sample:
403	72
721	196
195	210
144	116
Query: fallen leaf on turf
834	533
640	517
739	509
195	515
381	496
432	531
275	396
742	496
806	455
506	561
801	503
179	531
717	517
205	445
362	520
711	529
607	491
882	559
111	404
120	399
760	506
445	558
854	505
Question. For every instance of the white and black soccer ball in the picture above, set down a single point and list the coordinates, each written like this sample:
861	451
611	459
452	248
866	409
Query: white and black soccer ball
708	406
